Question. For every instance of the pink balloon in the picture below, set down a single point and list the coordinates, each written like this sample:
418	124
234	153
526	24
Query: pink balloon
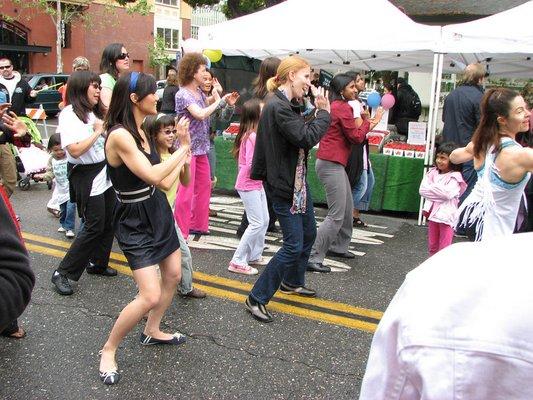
387	101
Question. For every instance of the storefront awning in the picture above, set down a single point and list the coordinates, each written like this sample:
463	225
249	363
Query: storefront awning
25	48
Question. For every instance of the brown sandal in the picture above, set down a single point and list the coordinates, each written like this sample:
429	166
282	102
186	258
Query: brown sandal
358	223
18	334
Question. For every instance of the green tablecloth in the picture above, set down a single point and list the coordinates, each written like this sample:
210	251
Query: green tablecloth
396	188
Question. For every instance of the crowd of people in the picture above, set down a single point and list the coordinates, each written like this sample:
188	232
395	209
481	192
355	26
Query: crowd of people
145	178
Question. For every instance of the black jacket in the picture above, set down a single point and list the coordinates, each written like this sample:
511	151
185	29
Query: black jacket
168	102
461	114
21	97
282	131
16	277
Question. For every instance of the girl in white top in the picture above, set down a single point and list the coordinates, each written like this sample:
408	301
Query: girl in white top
502	165
82	136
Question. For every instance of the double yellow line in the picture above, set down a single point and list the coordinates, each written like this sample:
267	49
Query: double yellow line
316	309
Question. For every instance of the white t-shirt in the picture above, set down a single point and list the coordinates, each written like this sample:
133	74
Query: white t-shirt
74	130
356	107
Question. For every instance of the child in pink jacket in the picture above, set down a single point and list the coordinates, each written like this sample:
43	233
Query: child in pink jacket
441	187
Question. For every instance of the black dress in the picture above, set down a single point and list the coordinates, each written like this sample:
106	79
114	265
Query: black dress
143	221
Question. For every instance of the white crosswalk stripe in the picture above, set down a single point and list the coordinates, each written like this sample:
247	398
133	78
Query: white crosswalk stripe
223	229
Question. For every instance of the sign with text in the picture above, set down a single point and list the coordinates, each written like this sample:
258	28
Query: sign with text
416	133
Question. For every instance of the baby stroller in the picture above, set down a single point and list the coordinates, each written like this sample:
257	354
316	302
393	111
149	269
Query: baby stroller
30	162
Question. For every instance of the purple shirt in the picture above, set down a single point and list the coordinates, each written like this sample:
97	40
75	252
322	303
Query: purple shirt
198	129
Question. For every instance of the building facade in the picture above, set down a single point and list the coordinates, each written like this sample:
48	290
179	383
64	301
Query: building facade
207	15
28	36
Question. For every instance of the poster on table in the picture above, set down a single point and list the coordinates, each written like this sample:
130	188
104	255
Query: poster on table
416	133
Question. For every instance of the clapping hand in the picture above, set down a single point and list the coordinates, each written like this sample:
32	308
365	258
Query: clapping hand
231	98
217	87
4	107
182	131
321	100
98	126
15	124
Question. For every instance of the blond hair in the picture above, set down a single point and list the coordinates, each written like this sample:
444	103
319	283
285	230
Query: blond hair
473	74
292	63
80	62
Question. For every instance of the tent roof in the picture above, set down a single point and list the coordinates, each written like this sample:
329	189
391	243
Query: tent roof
395	42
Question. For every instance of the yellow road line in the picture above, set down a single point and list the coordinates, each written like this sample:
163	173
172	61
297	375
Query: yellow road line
240	298
332	305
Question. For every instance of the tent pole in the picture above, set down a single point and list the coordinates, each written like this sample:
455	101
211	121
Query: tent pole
437	103
430	126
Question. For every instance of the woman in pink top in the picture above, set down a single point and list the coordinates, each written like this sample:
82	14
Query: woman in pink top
252	194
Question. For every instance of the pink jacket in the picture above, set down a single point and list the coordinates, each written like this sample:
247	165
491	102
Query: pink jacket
246	154
442	192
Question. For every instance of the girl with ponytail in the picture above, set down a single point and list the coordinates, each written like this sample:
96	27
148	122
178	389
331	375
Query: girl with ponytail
502	165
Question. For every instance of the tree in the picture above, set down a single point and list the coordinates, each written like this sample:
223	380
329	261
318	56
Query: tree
236	8
63	12
156	53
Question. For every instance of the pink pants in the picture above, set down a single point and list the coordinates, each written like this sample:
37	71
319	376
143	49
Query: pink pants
439	236
192	201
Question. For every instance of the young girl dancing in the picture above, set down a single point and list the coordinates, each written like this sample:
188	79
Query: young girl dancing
162	130
441	187
252	194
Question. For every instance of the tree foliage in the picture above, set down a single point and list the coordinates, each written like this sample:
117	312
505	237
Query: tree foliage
157	55
236	8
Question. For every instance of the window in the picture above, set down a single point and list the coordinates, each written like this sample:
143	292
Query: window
170	37
194	32
169	2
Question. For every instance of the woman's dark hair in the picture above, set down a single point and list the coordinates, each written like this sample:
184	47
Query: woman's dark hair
109	58
389	87
189	65
54	140
495	103
447	148
250	113
268	69
77	86
153	123
337	85
121	107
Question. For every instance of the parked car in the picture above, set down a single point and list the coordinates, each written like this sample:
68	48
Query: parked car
47	85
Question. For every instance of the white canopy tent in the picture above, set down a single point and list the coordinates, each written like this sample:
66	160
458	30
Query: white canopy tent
319	32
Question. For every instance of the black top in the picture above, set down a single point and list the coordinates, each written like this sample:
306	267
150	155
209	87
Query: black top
282	131
16	277
461	114
168	102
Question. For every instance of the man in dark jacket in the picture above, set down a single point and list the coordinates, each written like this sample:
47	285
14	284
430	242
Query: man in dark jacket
461	115
16	90
408	106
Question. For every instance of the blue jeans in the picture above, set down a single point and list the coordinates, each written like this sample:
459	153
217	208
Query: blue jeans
290	262
67	218
362	192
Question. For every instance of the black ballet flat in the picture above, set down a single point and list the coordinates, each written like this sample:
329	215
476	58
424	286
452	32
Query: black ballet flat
177	338
110	377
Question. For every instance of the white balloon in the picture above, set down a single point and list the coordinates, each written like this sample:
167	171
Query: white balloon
191	45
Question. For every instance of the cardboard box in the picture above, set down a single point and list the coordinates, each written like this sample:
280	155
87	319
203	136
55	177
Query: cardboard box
398	152
387	151
409	153
420	154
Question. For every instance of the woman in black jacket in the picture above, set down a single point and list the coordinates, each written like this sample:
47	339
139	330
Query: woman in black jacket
280	160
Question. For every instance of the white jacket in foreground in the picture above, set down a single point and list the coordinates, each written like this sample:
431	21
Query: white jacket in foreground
460	327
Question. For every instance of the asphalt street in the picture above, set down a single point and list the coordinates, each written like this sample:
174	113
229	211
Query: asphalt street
314	349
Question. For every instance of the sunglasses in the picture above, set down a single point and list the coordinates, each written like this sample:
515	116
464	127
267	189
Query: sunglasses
96	85
5	67
169	131
123	56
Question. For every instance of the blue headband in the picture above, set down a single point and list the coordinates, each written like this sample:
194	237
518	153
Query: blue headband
134	77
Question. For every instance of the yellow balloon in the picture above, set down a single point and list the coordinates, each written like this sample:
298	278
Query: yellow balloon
213	55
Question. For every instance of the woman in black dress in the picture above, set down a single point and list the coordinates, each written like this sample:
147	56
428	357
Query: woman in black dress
143	219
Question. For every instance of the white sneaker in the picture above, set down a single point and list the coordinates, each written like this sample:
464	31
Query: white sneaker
242	269
70	234
61	229
260	261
